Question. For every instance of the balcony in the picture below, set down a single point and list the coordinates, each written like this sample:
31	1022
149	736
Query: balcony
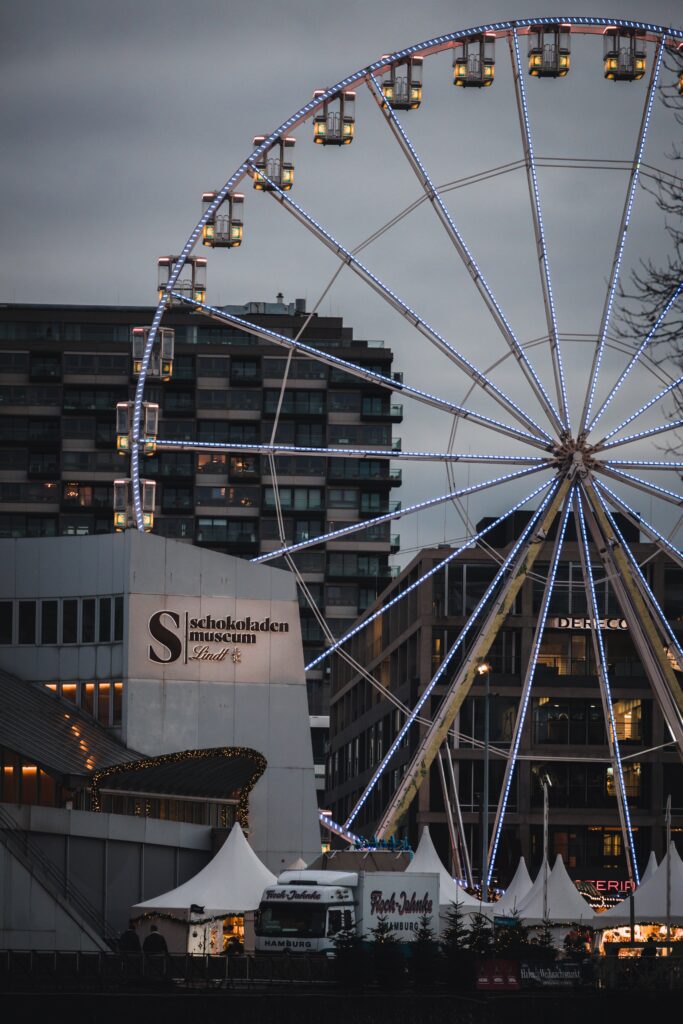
378	411
395	543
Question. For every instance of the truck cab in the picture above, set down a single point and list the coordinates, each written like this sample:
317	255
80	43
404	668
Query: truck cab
304	911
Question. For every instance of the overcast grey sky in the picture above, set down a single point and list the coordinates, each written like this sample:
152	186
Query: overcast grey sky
116	115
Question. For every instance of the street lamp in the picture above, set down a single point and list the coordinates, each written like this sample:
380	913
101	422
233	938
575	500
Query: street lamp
484	669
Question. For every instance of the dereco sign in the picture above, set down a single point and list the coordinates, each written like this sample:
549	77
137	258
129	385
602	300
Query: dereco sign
176	635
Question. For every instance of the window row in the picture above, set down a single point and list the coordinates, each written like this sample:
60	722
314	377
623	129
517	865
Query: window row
85	620
102	700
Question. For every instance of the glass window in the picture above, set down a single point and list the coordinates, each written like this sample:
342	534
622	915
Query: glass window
27	622
103	702
117	710
88	697
104	632
6	610
118	619
88	621
70	622
48	622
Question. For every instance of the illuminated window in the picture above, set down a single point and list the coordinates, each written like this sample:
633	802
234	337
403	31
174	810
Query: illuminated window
628	720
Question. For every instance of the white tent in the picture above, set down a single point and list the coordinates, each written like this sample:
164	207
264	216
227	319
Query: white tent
231	883
650	869
649	899
298	865
565	904
517	890
427	859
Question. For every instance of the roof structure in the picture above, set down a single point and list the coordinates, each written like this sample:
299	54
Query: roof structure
650	869
231	883
55	733
565	905
427	859
649	899
517	890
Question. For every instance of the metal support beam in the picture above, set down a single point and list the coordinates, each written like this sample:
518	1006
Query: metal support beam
644	632
428	747
605	692
452	835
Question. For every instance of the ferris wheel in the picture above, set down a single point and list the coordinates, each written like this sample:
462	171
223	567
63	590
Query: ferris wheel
534	414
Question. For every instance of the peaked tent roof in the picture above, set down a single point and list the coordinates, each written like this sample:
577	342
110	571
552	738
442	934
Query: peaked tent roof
298	865
565	903
650	869
233	882
427	859
649	898
517	890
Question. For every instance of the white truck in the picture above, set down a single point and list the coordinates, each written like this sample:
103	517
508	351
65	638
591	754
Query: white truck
304	910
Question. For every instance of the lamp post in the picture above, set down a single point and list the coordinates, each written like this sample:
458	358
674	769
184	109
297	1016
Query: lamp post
485	670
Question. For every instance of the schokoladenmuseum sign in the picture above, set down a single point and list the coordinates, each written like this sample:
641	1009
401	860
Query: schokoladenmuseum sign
178	635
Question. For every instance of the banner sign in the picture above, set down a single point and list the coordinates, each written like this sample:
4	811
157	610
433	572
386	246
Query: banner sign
560	974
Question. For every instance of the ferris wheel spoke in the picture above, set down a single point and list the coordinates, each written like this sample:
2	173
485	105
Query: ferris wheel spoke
634	359
352	453
526	689
657	538
642	485
643	463
394	300
520	558
640	435
354	370
541	248
398	514
427	575
646	607
484	289
621	240
639	412
605	691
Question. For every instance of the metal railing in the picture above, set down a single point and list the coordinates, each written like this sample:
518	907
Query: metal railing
28	852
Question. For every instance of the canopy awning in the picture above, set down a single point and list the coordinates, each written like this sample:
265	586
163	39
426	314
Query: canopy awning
565	904
231	883
427	859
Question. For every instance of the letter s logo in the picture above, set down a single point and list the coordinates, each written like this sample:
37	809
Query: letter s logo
165	637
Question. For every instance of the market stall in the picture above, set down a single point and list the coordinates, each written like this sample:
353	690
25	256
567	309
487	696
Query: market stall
208	913
517	890
656	907
427	859
554	900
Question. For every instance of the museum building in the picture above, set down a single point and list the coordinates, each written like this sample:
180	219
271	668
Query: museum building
151	694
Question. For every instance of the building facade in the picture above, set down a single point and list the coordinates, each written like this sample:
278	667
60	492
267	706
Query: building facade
564	738
65	368
194	660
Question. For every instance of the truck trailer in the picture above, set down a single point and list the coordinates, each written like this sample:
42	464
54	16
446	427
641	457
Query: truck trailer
305	910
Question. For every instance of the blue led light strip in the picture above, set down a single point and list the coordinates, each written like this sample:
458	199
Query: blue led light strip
388	517
597	635
652	432
673	639
463	250
616	265
427	331
445	663
639	412
350	453
540	238
531	669
643	524
338	829
359	371
420	580
642	485
645	463
632	362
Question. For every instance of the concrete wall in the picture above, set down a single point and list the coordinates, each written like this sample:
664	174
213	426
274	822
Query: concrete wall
114	860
